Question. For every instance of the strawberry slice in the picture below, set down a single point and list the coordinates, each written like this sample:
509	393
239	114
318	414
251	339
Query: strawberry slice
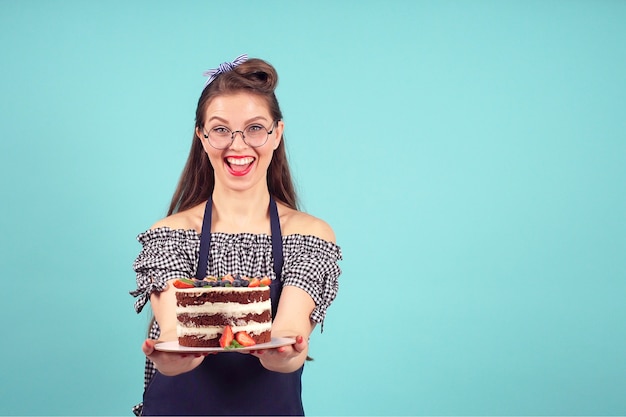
265	281
244	339
227	337
181	284
254	282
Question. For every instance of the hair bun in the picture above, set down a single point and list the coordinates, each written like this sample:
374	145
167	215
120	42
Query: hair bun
258	75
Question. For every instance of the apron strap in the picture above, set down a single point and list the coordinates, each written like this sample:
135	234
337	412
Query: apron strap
277	239
205	240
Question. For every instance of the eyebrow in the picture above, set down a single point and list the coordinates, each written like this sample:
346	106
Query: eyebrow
220	119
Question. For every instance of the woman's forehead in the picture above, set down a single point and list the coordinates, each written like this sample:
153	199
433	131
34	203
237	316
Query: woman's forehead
239	105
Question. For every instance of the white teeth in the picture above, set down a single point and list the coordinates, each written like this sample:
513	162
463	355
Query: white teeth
240	161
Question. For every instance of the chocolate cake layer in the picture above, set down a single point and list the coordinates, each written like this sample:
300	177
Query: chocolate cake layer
203	320
221	295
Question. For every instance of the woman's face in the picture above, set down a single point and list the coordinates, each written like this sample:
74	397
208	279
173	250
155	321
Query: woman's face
238	166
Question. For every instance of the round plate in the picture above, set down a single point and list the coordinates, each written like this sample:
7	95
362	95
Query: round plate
175	347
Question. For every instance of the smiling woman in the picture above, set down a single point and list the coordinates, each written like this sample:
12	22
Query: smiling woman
235	212
250	85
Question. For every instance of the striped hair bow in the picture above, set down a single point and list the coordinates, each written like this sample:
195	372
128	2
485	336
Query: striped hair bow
224	67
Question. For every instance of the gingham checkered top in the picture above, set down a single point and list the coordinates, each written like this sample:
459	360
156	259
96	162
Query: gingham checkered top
310	263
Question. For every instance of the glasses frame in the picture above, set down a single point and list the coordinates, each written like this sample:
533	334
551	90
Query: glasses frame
243	136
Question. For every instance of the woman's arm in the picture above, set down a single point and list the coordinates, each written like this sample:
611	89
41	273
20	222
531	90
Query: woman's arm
163	306
292	320
295	305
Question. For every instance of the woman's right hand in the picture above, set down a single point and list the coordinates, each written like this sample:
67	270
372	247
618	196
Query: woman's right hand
171	364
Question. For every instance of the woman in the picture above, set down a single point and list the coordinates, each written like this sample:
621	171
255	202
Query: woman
237	184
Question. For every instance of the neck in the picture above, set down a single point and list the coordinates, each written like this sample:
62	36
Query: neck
237	211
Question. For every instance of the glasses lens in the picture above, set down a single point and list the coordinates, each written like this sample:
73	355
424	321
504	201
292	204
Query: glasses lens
219	137
256	135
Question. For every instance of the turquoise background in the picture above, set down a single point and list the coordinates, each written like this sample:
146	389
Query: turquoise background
470	155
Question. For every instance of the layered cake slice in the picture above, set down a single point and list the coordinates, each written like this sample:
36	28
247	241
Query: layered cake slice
236	310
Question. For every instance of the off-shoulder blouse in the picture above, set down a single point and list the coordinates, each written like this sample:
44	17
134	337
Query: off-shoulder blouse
310	263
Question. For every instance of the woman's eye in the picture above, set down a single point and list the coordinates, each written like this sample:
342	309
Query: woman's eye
220	130
254	128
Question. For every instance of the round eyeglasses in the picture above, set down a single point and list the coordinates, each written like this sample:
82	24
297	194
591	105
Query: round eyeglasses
254	135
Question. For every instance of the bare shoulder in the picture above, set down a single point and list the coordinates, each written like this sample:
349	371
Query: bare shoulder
297	222
190	219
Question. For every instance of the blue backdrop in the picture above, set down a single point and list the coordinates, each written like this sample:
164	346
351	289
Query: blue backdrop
470	155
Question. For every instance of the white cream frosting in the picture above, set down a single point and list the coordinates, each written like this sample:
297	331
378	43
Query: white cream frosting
232	309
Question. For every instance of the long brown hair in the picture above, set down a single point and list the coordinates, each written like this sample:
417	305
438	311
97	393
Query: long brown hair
197	180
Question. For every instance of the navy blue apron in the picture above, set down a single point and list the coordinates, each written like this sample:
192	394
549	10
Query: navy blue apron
229	383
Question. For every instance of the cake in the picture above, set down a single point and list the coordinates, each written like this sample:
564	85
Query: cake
223	312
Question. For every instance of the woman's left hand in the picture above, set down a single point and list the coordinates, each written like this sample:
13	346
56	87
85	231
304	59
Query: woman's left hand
285	358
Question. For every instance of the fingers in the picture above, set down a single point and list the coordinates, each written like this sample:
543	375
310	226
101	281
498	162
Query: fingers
148	347
298	347
300	344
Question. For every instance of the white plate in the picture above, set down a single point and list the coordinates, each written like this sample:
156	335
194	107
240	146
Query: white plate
175	347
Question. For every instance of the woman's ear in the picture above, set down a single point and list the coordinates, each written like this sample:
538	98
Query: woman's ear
199	133
279	129
202	138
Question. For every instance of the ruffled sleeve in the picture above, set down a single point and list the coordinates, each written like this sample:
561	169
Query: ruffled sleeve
166	254
313	267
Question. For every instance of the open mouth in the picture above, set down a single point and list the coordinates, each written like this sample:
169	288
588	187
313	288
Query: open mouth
239	165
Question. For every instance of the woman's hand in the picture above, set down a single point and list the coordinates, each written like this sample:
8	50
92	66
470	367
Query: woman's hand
292	320
171	364
285	358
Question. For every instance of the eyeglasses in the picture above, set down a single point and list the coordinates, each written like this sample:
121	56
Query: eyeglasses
254	135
